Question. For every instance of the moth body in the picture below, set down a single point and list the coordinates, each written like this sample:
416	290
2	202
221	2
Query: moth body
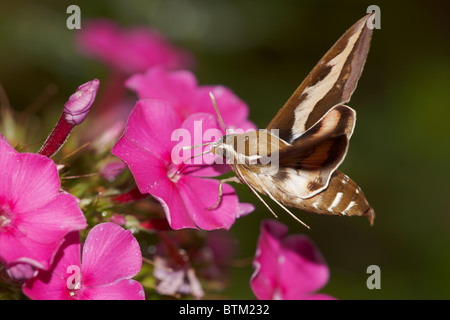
254	148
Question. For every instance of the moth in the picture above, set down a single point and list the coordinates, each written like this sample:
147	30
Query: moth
314	129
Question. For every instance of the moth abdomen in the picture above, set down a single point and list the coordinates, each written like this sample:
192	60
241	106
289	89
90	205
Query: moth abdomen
342	197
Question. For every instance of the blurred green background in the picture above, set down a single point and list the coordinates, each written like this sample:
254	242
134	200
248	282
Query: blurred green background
262	50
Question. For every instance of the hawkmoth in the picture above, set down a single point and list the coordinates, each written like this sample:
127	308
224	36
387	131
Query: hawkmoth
314	129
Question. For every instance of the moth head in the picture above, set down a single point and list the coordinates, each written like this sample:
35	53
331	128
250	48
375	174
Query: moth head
241	147
222	149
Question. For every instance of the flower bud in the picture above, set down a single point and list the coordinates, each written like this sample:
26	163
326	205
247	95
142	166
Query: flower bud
21	272
75	111
77	107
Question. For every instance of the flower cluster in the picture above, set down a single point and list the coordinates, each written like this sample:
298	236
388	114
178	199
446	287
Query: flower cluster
134	211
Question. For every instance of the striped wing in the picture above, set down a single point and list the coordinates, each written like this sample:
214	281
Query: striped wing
306	166
331	82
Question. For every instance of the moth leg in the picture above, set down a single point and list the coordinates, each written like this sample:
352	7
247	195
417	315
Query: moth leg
260	198
221	182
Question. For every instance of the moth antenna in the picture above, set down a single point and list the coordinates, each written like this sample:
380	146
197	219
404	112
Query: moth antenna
217	111
287	210
197	155
198	145
260	198
200	154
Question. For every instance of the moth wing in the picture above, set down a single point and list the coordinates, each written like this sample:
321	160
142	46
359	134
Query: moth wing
306	166
330	83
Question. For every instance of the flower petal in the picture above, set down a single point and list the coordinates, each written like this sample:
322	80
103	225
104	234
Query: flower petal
127	289
245	209
46	286
176	87
52	284
302	267
265	279
150	127
168	194
54	220
199	194
110	253
38	234
180	88
28	181
148	170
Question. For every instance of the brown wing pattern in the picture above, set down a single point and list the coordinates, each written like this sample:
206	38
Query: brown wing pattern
331	82
306	166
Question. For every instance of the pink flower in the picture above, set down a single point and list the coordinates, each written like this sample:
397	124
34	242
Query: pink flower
130	51
180	88
288	268
111	257
146	147
34	215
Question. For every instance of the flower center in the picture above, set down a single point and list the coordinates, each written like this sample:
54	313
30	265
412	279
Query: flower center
173	172
75	290
5	216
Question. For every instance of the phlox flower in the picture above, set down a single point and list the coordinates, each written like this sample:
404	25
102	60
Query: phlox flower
287	267
129	50
102	271
181	89
34	215
183	189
